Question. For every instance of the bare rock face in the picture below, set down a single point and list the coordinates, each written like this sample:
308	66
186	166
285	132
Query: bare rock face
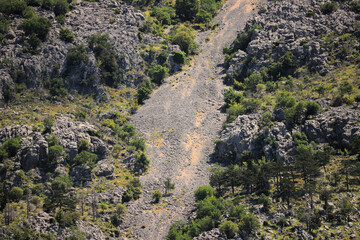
337	126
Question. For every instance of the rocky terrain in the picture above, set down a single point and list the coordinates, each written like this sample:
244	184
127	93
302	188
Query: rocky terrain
300	28
337	125
118	20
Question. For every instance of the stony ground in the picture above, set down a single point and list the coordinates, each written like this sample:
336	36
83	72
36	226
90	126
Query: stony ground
181	120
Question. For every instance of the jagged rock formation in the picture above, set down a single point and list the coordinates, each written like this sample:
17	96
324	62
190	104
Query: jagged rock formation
298	27
336	126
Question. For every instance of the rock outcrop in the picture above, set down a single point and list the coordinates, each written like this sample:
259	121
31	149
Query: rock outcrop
337	126
296	26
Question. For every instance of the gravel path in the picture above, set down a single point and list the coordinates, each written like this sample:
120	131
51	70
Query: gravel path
181	120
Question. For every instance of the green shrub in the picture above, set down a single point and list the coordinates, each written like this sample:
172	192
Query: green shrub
60	7
312	109
158	73
179	57
47	4
34	41
185	38
203	17
163	15
143	94
249	224
55	152
157	195
48	123
231	97
141	162
201	225
29	12
37	189
187	9
4	27
107	58
76	56
237	213
212	207
37	25
34	3
16	194
85	158
12	7
115	219
66	35
355	6
67	219
267	119
138	143
60	19
57	87
83	145
162	57
178	231
329	7
266	202
203	192
229	229
10	147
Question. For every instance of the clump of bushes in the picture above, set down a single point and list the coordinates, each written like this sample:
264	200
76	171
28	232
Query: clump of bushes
185	38
158	73
66	35
9	148
39	26
76	56
107	59
179	57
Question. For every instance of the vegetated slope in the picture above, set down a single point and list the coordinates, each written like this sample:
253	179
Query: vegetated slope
180	121
290	144
44	49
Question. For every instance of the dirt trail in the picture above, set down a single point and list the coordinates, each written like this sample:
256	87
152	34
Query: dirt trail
180	121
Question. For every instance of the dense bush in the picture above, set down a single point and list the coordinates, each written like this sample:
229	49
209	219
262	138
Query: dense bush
250	224
143	94
203	192
138	143
212	207
85	158
67	219
83	145
57	87
76	56
47	4
10	148
179	57
329	7
66	35
107	58
157	195
61	7
203	17
158	73
36	25
141	162
187	9
164	15
185	38
12	6
48	123
16	194
229	229
29	12
55	152
34	3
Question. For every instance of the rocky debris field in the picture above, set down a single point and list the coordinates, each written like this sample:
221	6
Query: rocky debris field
180	121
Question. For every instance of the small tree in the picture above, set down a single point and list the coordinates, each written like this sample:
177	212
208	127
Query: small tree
266	202
141	162
346	208
55	152
229	229
168	185
157	195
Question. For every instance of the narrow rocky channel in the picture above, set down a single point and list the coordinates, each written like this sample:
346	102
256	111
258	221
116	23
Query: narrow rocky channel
181	120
